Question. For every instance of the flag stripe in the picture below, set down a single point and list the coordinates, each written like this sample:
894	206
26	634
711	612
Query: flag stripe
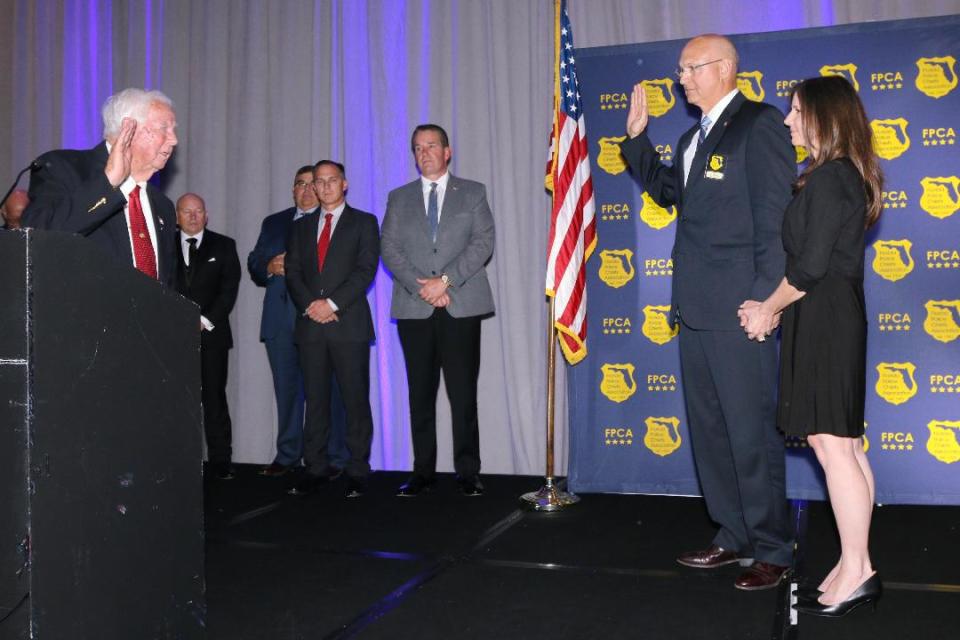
572	235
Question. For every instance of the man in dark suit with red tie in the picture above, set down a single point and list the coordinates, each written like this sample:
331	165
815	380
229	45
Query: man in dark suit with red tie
208	272
331	260
731	182
103	193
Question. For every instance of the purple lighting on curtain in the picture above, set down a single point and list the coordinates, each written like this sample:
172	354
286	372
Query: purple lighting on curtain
87	71
393	40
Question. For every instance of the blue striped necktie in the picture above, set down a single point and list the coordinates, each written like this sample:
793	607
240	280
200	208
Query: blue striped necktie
704	125
432	213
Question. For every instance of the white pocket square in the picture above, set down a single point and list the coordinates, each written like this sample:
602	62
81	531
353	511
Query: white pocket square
212	259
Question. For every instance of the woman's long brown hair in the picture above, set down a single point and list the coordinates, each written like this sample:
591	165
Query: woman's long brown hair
833	116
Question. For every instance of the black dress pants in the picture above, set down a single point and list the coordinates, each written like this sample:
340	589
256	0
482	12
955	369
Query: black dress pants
213	393
350	362
442	343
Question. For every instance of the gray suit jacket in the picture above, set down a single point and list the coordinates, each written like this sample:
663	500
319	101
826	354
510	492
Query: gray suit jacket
464	245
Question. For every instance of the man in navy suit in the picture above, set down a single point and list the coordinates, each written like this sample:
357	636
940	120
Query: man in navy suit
208	272
103	193
331	260
731	181
266	266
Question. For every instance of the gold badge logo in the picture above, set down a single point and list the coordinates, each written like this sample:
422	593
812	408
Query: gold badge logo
943	443
895	381
943	319
848	71
890	137
610	159
616	267
941	196
802	154
659	96
750	84
866	442
716	162
655	216
656	326
893	260
618	383
936	76
663	435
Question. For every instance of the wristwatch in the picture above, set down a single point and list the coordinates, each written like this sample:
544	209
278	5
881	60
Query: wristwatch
445	279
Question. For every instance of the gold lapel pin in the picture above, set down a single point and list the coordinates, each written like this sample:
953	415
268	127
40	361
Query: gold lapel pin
97	204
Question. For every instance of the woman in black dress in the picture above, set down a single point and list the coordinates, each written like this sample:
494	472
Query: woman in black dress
824	324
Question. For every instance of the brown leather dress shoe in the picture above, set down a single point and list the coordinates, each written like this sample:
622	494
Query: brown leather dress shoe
274	470
760	576
710	558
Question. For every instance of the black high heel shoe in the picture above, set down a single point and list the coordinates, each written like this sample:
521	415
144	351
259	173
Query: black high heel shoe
869	591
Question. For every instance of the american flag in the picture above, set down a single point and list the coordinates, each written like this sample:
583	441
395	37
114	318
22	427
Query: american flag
573	231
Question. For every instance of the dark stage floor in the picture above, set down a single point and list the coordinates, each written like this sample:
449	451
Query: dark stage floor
445	566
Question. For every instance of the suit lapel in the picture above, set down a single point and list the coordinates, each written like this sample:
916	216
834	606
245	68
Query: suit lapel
452	201
418	208
699	163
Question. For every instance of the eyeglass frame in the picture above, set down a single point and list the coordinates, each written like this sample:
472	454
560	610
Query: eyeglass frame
693	68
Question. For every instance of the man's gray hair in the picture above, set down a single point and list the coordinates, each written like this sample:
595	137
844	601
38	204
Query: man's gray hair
129	103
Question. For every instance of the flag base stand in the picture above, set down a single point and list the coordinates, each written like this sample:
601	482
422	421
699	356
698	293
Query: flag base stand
549	498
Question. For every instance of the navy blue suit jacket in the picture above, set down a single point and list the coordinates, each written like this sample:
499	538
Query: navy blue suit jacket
729	214
70	192
279	312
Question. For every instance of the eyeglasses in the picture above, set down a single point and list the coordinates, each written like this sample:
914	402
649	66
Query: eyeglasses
692	68
300	184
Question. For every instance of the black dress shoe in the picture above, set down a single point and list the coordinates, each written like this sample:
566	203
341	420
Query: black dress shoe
710	558
223	471
416	485
309	484
760	576
356	487
470	486
869	591
274	470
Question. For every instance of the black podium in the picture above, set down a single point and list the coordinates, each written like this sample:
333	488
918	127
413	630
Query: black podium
100	448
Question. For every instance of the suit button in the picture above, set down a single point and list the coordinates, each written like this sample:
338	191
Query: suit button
434	250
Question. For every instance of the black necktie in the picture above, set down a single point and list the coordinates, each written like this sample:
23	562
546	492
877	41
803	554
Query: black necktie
191	258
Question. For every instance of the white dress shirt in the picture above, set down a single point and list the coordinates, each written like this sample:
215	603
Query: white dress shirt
714	115
333	226
441	191
126	188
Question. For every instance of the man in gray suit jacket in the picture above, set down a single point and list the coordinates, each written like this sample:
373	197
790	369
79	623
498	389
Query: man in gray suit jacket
437	236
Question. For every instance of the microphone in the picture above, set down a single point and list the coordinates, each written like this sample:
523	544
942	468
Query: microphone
33	166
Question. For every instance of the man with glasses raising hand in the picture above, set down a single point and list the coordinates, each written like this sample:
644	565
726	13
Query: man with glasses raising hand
731	182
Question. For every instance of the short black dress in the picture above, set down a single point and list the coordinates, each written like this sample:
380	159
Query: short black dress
823	339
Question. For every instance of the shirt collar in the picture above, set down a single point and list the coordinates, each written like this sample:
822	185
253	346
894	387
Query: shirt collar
199	237
336	212
299	213
715	113
441	182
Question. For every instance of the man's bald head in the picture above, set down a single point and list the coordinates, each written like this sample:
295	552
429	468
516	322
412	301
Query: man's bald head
191	214
708	65
13	206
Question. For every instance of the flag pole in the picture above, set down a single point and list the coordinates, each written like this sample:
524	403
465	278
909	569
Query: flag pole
550	497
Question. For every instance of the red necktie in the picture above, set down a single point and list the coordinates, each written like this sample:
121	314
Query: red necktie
143	254
324	242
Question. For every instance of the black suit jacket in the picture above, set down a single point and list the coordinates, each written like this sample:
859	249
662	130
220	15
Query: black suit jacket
727	247
70	192
212	282
349	268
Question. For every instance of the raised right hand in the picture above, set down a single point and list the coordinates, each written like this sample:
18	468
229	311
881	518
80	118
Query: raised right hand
121	154
638	116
